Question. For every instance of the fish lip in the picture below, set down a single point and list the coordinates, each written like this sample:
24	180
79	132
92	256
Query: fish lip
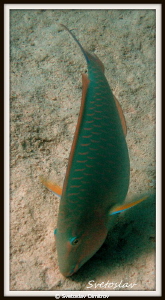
70	273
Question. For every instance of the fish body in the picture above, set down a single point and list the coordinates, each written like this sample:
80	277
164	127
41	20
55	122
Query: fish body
97	176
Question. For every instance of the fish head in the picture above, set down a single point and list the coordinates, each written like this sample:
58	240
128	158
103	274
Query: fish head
79	242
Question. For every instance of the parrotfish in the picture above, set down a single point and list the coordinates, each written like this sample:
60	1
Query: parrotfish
97	175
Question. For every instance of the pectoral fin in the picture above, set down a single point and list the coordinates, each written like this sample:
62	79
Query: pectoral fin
121	208
52	186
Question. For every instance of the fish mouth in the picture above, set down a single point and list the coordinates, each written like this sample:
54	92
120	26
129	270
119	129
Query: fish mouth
73	270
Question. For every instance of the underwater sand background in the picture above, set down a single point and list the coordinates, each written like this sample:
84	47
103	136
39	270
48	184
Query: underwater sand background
46	86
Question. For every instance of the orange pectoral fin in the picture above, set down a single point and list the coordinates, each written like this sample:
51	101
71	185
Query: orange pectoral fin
51	186
123	207
121	115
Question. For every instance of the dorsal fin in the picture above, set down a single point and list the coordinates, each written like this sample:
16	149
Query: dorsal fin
85	83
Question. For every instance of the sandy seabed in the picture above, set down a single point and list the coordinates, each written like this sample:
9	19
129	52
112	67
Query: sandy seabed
46	67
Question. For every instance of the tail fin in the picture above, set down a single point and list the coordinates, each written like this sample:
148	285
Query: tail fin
88	56
82	49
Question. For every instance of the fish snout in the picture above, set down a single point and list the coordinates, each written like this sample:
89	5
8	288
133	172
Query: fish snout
72	271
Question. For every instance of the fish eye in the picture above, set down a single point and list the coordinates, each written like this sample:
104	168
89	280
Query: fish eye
55	231
74	241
